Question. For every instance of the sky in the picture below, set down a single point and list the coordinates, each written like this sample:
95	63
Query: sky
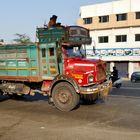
23	16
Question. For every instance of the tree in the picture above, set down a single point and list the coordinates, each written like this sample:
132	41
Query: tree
22	39
1	41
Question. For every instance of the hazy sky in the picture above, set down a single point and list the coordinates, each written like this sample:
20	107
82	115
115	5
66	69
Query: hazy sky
23	16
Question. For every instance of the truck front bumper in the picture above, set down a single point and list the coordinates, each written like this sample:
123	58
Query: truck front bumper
103	89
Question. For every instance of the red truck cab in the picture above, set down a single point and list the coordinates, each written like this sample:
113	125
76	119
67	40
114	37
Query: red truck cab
81	78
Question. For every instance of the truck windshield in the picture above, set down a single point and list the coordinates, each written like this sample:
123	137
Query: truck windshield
75	51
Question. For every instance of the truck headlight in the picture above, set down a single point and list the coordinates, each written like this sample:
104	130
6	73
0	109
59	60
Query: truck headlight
90	79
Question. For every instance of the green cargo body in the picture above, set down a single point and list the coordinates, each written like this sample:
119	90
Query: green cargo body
19	62
33	63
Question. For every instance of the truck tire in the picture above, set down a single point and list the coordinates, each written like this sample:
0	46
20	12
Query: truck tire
65	97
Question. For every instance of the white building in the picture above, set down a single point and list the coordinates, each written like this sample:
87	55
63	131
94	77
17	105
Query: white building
115	31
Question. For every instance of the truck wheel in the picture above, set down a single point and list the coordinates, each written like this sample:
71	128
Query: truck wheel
65	97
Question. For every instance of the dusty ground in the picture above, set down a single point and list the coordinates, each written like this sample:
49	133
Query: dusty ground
33	119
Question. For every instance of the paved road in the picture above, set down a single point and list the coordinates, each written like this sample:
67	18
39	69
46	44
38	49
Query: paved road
127	89
32	119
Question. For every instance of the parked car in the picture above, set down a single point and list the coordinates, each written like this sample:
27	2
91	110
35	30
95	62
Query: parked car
135	76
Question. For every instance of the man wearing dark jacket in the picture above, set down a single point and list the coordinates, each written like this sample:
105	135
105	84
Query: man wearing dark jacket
114	74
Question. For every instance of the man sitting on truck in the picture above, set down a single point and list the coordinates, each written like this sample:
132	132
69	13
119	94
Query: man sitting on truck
52	22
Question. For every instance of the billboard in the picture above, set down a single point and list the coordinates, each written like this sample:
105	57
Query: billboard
114	52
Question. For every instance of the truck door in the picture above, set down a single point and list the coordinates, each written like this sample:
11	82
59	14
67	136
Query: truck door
49	67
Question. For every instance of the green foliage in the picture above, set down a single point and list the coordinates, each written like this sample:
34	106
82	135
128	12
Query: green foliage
1	40
22	39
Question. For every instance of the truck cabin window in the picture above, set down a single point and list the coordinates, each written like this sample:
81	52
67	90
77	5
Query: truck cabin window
75	51
51	51
43	52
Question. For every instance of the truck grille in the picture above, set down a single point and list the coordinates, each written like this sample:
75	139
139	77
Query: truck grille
101	74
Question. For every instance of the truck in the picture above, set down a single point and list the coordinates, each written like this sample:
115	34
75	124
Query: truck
56	66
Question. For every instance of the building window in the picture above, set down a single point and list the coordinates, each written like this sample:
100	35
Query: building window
137	37
103	19
137	15
121	38
87	20
121	17
103	39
